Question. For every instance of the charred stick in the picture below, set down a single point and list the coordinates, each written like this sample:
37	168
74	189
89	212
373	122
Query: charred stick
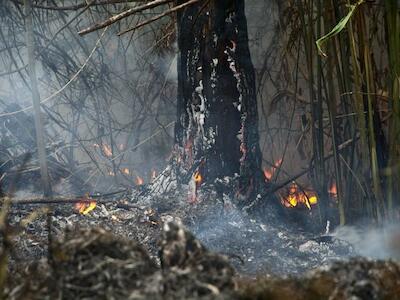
310	167
64	199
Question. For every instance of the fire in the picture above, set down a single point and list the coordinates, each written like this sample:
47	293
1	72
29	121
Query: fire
139	180
296	196
85	206
111	173
269	172
332	191
107	150
125	171
197	178
194	185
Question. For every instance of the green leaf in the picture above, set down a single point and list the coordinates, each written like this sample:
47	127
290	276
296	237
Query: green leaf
338	28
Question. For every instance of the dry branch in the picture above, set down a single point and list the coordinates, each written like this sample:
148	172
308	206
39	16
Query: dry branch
63	199
81	5
160	16
123	15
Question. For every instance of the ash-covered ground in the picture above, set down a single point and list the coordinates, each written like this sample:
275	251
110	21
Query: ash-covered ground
133	247
254	244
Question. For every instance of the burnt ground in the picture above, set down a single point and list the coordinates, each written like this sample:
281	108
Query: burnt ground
254	246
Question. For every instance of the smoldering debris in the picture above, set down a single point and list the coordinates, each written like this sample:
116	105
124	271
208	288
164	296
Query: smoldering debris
134	246
96	264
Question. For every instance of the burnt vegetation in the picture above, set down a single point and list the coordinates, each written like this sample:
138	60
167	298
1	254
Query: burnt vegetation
178	149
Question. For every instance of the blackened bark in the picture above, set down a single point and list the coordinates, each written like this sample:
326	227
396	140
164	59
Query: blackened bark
217	126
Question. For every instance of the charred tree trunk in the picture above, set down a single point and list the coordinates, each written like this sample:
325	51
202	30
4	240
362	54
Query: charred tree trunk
217	128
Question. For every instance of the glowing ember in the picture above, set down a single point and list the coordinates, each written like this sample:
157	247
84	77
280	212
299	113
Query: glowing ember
297	196
139	180
197	178
194	185
107	150
269	173
125	171
313	200
332	191
292	200
111	173
85	206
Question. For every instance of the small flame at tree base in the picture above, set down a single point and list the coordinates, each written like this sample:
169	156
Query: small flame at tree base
295	197
198	178
194	185
333	190
85	206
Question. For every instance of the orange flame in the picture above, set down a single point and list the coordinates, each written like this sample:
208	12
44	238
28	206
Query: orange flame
198	178
139	180
85	207
332	191
296	197
194	184
125	171
269	173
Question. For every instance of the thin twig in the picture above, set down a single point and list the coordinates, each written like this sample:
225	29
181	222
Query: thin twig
123	15
160	16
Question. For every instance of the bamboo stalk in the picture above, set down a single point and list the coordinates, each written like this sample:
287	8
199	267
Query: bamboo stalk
40	139
393	41
322	189
370	124
331	104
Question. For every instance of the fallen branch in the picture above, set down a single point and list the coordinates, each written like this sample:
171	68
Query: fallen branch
101	198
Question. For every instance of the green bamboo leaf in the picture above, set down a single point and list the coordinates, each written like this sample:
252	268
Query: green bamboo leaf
338	28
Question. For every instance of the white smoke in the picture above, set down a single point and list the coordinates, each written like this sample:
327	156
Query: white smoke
374	242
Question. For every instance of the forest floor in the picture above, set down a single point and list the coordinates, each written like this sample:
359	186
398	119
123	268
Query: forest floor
131	254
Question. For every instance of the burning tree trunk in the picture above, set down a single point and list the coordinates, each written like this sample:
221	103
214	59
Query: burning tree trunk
217	128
